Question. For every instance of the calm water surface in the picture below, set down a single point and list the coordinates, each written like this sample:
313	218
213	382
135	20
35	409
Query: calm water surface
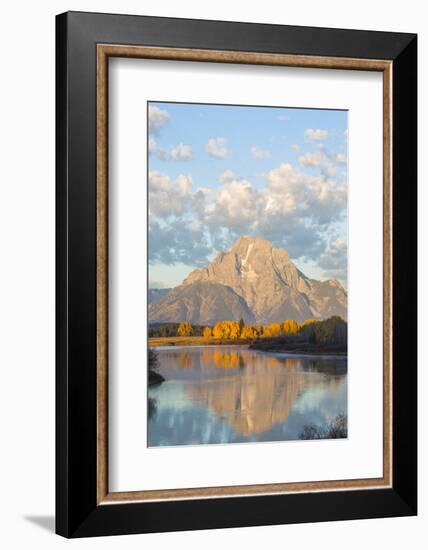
220	394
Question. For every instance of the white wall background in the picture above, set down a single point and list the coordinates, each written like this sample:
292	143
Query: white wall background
27	272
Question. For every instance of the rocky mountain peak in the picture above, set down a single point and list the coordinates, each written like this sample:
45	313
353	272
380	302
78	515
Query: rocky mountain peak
245	247
268	282
245	244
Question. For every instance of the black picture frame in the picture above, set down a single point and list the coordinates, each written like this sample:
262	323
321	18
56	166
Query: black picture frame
77	512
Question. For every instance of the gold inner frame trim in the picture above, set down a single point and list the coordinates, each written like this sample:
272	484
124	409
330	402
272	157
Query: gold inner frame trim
104	51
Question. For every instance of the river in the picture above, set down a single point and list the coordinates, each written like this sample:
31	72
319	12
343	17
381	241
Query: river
231	394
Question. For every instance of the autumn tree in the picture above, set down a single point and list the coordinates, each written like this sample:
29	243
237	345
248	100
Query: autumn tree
260	329
207	332
184	329
234	330
225	330
290	326
272	330
219	330
249	332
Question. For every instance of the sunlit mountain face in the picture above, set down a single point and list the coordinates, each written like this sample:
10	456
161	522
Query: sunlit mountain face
252	281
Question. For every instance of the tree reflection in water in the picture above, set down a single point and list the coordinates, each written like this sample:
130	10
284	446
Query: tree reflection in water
151	407
242	394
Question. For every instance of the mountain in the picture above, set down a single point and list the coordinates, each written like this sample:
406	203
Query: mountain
254	281
202	303
156	294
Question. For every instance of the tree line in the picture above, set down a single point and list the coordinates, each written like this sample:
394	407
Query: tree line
167	330
329	331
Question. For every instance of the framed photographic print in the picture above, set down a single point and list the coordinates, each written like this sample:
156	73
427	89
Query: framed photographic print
236	274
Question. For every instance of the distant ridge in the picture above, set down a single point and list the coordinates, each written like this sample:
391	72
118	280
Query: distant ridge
155	294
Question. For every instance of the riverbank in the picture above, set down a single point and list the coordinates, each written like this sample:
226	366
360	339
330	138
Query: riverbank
155	378
273	345
301	348
196	341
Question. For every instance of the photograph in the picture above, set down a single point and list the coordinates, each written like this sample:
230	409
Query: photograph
247	299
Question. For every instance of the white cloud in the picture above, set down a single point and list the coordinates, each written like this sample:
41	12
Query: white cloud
292	209
216	148
155	149
181	152
316	134
327	163
157	118
315	197
295	148
340	158
228	175
236	203
259	153
167	197
329	168
333	260
283	118
314	160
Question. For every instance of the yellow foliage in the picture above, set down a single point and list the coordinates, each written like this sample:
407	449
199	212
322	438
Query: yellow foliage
231	330
290	326
274	329
249	332
235	330
307	322
226	330
184	329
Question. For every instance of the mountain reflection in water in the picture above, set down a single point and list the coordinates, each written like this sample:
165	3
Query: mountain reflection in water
222	394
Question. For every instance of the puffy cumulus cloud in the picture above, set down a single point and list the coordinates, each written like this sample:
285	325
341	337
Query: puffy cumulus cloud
327	163
157	118
302	199
258	153
216	148
228	175
293	209
340	158
176	242
155	149
235	206
167	197
313	160
177	233
316	134
180	152
334	259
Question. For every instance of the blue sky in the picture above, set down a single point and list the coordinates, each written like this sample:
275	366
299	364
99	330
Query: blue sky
219	172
